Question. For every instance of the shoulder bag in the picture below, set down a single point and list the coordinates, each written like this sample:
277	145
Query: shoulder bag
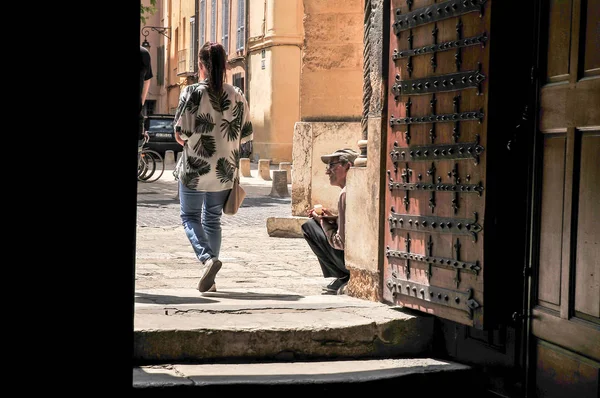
234	199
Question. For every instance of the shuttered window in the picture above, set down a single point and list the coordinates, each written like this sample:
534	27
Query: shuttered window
213	20
160	66
241	32
202	23
225	26
193	41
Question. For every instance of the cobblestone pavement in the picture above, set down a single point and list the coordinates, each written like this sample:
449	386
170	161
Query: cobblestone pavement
251	258
158	205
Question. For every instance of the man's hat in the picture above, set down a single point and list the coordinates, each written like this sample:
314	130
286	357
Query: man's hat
347	154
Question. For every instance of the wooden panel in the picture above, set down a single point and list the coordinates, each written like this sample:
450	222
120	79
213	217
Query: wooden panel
553	99
587	269
579	336
592	38
559	29
561	374
553	177
583	103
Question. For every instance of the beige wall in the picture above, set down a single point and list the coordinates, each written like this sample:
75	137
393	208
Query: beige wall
330	97
364	215
157	92
310	184
331	84
274	57
178	13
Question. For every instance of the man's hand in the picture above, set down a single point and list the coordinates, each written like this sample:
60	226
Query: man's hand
326	215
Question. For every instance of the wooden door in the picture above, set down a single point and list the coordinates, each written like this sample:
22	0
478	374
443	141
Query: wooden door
459	77
436	169
565	297
450	242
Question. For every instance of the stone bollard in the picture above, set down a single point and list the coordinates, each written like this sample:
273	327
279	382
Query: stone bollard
279	187
264	169
169	159
287	166
245	167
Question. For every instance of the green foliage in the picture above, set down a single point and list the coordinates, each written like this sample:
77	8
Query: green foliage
147	11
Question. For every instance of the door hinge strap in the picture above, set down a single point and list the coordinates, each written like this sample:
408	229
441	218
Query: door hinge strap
441	83
441	262
433	48
451	298
439	187
438	152
450	117
435	12
449	225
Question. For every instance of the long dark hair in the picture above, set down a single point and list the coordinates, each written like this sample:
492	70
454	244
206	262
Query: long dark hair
213	57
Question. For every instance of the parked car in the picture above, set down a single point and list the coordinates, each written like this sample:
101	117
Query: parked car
161	133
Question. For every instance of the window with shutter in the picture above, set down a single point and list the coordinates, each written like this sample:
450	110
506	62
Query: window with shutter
193	40
225	26
213	20
240	26
160	63
202	22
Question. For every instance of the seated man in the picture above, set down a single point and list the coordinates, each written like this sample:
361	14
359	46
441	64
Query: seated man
325	233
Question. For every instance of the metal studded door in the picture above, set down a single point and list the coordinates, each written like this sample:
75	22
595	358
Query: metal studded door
438	202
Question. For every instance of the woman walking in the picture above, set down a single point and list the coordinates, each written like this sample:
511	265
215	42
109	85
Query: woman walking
211	122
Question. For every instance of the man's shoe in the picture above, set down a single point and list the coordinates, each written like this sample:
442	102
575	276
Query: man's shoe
336	284
213	265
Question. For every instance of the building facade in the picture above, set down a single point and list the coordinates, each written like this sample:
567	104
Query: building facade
296	60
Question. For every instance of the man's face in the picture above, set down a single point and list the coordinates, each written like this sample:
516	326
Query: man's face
336	171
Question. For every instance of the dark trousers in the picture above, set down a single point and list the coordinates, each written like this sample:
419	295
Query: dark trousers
331	260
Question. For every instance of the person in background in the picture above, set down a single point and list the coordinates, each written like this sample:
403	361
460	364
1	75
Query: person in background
212	121
325	232
145	78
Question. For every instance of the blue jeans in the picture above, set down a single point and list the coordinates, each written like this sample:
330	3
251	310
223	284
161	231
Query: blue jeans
201	219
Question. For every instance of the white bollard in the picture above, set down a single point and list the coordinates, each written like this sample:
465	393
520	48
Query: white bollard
169	159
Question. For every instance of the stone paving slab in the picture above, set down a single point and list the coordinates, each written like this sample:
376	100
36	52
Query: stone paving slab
293	373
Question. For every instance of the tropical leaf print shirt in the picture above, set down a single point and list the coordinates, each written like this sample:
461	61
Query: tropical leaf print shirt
213	126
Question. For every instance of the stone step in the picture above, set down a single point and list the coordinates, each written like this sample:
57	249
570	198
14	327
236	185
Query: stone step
178	325
418	377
